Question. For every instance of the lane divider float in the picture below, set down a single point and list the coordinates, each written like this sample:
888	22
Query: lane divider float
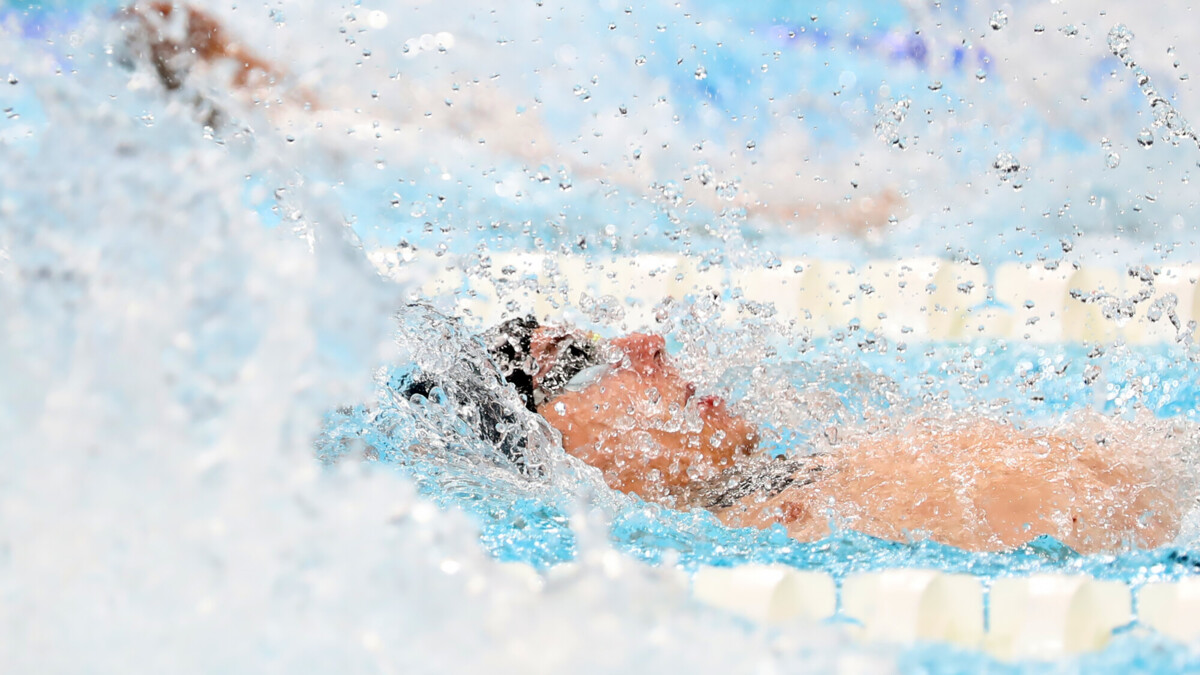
909	299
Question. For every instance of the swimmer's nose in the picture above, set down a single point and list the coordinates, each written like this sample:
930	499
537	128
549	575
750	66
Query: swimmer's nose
645	351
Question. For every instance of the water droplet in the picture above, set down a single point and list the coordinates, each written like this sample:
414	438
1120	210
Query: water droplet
1145	138
727	190
701	73
750	145
999	19
936	85
1070	30
639	61
887	125
1039	28
603	310
12	79
1006	165
1118	40
981	74
1112	160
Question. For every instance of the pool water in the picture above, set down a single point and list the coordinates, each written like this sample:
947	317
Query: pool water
182	311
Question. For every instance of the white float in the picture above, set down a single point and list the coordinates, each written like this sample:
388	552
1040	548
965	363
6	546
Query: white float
906	605
910	299
897	297
1093	296
1172	609
1037	297
1051	616
766	593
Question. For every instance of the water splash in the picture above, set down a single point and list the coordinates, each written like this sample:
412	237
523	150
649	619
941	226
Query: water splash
1166	116
170	351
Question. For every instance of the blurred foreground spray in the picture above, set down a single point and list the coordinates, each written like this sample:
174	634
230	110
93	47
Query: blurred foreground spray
165	363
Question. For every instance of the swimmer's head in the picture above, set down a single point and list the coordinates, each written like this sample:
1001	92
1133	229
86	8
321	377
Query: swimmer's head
543	361
621	405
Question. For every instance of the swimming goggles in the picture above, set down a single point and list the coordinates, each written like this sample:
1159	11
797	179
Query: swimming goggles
578	359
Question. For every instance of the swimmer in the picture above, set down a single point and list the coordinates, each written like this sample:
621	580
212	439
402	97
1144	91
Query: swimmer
181	42
190	49
176	39
623	407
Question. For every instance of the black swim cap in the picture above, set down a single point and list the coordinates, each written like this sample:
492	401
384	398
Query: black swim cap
509	346
569	353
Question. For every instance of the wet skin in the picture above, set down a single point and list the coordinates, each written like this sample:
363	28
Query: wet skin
978	485
640	423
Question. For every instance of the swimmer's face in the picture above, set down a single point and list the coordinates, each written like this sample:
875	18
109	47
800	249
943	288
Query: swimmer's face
633	414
